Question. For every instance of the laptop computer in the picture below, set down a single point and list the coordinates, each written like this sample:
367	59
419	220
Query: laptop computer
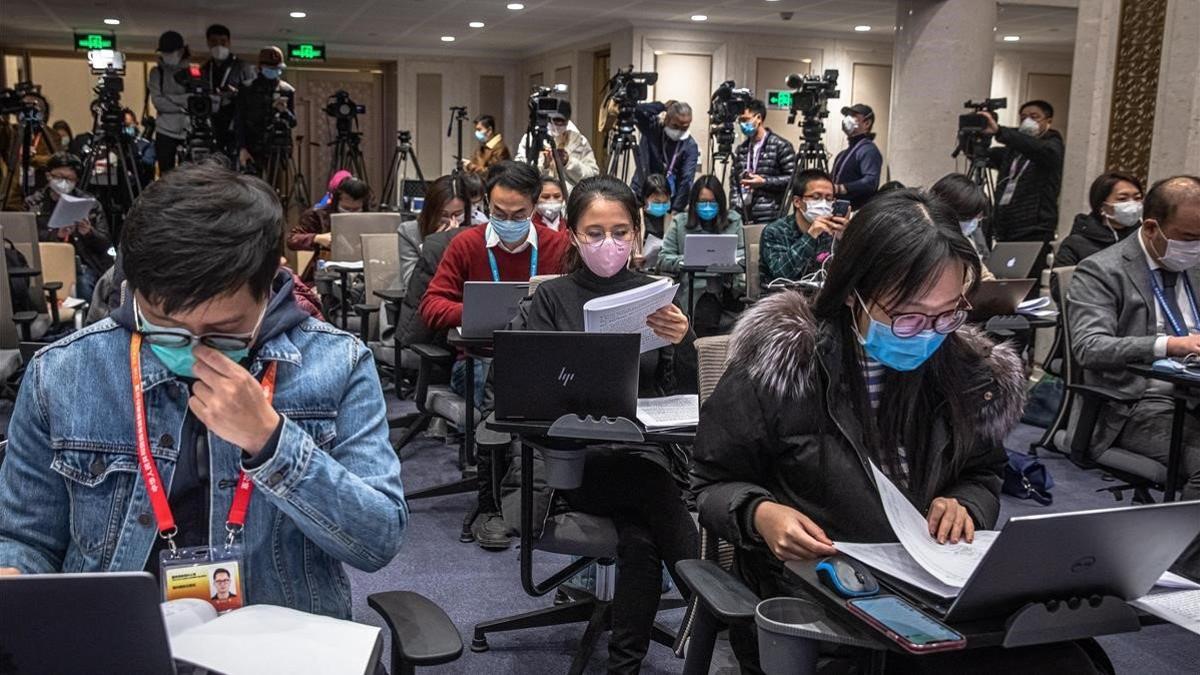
541	376
488	306
998	297
1014	259
83	623
710	250
1119	551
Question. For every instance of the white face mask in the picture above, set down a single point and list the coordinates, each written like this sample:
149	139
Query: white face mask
675	134
969	226
550	210
817	208
1180	255
1030	127
478	216
220	52
556	130
849	124
62	185
173	58
1126	214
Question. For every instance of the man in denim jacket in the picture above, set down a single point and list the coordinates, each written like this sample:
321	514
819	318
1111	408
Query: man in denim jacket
201	253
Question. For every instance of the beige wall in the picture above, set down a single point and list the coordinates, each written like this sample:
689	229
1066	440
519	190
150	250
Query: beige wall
67	84
873	86
1011	79
688	78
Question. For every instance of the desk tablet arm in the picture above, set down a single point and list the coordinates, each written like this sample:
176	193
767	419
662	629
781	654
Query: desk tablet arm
422	634
391	297
1070	619
603	429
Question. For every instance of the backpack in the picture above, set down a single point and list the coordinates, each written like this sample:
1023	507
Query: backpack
18	287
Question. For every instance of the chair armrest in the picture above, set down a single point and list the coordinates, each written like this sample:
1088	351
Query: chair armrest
390	296
24	272
722	593
53	286
422	633
432	353
1102	393
363	309
25	321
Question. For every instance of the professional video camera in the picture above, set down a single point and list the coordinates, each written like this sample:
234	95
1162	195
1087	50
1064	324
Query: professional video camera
972	139
343	109
810	96
624	92
547	102
727	102
24	98
106	108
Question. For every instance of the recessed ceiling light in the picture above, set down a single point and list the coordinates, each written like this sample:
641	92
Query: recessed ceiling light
476	24
1012	38
805	60
298	15
112	22
515	6
862	29
699	17
447	38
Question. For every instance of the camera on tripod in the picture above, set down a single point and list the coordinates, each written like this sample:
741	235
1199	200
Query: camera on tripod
972	138
627	89
810	98
24	98
724	107
199	91
106	107
547	102
343	109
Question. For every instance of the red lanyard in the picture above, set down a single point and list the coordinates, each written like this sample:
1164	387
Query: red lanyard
150	475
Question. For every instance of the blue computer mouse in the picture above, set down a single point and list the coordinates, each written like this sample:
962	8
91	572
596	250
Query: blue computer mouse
847	577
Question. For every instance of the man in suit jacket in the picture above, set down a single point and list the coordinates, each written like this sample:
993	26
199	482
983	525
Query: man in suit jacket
1137	302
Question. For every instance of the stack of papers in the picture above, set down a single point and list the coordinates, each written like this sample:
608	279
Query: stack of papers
670	412
1037	307
626	312
1181	608
70	210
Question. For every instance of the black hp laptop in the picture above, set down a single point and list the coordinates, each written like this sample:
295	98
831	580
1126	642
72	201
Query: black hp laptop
541	376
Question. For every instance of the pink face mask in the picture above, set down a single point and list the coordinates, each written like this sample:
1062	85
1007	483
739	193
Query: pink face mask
607	258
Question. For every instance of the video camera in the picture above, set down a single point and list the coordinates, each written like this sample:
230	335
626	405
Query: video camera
343	109
810	96
724	107
629	88
972	138
106	108
199	91
547	102
24	99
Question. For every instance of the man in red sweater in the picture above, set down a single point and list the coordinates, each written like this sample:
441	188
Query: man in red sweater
508	248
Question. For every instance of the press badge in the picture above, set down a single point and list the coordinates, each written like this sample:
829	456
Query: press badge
209	573
1009	190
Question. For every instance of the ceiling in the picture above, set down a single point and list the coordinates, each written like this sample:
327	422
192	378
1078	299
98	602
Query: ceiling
382	27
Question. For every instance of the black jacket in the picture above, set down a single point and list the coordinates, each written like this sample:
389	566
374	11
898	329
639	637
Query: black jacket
255	109
1032	214
655	152
781	426
776	163
858	168
1088	235
412	329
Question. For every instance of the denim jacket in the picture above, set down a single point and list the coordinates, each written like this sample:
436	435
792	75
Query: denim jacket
72	498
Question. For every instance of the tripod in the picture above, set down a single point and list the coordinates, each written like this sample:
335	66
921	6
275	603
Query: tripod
812	155
401	156
30	124
346	152
458	113
282	171
119	184
622	145
539	138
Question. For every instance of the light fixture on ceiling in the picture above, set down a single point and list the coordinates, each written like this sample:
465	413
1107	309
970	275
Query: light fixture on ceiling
805	60
699	17
447	38
298	15
515	6
862	28
1012	38
476	24
112	22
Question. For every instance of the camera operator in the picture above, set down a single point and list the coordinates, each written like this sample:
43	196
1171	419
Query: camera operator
574	152
763	165
1030	177
856	169
89	236
225	72
492	149
265	98
667	148
170	99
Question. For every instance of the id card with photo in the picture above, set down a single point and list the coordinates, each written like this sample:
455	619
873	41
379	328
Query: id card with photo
212	574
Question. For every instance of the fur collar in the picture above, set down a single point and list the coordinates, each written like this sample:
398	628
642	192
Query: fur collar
776	340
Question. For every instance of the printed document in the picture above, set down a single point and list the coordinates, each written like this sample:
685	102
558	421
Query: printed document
1181	608
626	312
70	210
669	412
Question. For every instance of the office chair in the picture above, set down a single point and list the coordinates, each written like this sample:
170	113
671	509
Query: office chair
422	633
20	228
753	234
1055	363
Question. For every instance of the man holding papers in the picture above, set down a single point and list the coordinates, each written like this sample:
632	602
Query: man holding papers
85	227
878	372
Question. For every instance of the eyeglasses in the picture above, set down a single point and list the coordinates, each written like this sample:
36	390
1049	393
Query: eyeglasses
910	324
181	337
597	237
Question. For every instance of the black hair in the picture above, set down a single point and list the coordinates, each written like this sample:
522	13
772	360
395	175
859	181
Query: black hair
67	160
487	121
802	179
564	107
471	185
1166	195
961	194
593	189
219	570
354	188
200	232
62	124
216	29
129	111
714	184
1047	109
554	181
893	252
1104	184
441	192
516	176
889	186
757	107
655	184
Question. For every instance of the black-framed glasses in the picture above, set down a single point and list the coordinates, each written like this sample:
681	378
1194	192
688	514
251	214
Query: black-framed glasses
911	324
164	336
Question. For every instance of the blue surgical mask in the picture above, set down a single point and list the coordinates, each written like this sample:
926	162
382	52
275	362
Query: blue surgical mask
899	353
969	226
748	128
510	230
658	209
707	210
131	131
181	360
271	73
480	136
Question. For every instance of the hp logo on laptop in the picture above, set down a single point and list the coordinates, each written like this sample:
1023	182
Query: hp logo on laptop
565	378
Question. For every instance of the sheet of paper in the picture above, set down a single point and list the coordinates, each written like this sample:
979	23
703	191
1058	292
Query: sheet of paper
70	210
1181	608
1172	580
186	613
669	412
951	564
269	639
894	561
650	251
626	312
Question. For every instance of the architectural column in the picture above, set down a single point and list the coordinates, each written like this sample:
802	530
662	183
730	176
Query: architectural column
1175	148
944	53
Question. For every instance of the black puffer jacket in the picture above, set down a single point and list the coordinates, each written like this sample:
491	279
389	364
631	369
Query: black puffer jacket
782	426
776	163
1088	236
1032	215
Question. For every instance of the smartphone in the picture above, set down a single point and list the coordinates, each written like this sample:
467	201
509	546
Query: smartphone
841	208
907	626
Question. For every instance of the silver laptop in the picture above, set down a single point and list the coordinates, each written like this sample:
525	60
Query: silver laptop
1014	259
488	306
710	250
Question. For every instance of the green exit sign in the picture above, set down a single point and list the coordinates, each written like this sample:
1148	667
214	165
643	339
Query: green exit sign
779	99
306	52
86	42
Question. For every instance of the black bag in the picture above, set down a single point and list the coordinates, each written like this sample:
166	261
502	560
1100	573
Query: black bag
1027	478
18	287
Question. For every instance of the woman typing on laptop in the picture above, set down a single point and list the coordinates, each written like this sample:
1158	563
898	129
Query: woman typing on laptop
879	369
652	521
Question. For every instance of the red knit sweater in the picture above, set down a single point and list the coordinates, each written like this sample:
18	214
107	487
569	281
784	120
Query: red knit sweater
466	259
